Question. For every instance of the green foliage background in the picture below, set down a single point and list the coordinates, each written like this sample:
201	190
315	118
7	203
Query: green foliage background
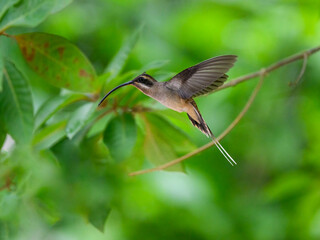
66	175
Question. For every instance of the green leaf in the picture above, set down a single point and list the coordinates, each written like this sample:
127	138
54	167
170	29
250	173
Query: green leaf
79	118
5	5
48	210
99	125
94	149
118	62
49	135
30	13
50	107
164	142
136	160
120	136
98	215
16	106
3	135
1	72
58	62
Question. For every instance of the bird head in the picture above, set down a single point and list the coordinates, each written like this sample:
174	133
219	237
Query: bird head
143	82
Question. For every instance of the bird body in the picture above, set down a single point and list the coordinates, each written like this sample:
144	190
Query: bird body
166	97
178	93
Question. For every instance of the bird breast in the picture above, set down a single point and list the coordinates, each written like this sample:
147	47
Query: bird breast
170	99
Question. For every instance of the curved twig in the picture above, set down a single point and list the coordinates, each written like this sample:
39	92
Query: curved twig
232	83
303	69
270	68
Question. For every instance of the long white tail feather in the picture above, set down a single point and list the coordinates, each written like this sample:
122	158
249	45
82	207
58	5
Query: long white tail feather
223	151
206	130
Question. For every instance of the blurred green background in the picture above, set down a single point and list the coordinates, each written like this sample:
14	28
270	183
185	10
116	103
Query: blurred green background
77	185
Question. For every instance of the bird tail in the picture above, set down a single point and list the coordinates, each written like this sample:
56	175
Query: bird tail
203	127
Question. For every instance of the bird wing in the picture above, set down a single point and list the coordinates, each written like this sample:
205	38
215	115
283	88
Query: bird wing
203	77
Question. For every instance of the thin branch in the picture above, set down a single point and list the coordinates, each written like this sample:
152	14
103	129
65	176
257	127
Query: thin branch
6	35
231	126
270	68
303	69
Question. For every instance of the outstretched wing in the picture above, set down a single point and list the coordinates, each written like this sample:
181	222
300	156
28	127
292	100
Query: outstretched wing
203	77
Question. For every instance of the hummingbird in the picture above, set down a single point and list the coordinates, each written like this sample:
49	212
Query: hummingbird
178	92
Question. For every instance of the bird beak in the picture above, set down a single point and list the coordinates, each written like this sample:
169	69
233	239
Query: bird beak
122	85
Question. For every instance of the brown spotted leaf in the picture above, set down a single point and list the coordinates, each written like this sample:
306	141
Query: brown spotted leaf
58	61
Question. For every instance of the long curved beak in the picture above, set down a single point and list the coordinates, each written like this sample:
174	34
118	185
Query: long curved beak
122	85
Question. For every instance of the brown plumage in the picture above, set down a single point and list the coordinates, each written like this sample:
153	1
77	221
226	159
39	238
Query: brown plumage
178	92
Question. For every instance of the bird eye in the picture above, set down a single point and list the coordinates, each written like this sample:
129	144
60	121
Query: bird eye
145	81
